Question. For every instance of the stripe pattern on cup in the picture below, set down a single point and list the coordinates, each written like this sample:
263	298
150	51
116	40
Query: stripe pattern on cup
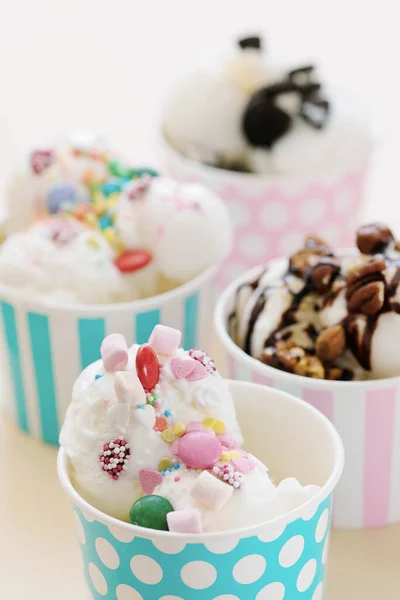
44	352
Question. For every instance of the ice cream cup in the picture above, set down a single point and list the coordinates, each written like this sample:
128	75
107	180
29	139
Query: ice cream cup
273	213
281	558
45	345
366	414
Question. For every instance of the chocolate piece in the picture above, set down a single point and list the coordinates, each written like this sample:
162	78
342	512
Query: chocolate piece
324	273
300	261
335	374
331	343
263	122
253	41
301	75
374	265
310	366
374	238
367	298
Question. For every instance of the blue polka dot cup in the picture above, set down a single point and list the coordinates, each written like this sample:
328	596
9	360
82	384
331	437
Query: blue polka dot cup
282	559
44	346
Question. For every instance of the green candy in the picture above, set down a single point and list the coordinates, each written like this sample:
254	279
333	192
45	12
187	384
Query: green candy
143	171
118	170
151	512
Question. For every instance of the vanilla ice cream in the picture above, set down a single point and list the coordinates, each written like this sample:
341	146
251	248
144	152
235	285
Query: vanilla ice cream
152	437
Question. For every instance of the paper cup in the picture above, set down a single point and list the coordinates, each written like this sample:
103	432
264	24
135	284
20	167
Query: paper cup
272	213
365	413
44	346
283	558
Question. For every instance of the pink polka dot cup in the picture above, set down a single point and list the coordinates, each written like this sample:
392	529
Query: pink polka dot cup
273	213
365	413
284	558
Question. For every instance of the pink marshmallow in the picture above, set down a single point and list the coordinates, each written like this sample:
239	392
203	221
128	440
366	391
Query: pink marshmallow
185	521
165	340
211	492
128	388
114	352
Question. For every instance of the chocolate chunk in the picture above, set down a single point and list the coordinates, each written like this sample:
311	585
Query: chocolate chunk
300	262
331	343
263	122
310	366
324	273
301	75
367	299
374	265
374	238
253	41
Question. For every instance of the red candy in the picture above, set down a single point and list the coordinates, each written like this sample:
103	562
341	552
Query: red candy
199	450
147	367
41	160
132	260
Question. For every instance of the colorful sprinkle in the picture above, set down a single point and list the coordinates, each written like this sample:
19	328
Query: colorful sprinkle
167	413
114	456
168	435
165	463
179	429
204	359
177	466
161	424
228	474
98	376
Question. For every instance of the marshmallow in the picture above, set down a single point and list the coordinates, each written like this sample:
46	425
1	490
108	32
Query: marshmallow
165	340
211	492
185	521
128	388
114	352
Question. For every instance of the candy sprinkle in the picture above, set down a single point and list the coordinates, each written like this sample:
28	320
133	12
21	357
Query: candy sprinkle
161	424
114	457
168	435
179	429
164	464
228	474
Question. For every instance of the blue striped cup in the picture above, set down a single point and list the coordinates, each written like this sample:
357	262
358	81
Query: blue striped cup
281	559
45	345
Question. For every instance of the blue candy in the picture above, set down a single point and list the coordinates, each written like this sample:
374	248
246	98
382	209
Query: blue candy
61	196
105	222
111	187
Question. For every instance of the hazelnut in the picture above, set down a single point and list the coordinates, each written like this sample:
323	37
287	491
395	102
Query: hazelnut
310	366
330	343
323	274
334	373
372	266
367	299
303	259
374	238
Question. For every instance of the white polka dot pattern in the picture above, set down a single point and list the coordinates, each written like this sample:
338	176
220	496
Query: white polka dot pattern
306	576
291	551
249	569
198	575
279	563
146	569
125	592
98	579
107	553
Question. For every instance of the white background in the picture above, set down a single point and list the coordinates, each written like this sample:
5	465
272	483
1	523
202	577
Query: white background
106	65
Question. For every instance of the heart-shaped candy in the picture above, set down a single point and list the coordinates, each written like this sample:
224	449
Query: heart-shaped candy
243	465
188	368
149	480
146	416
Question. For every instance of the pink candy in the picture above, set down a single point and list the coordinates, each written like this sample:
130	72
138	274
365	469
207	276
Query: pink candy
185	521
188	368
165	340
211	492
114	352
149	480
227	440
199	450
195	426
244	465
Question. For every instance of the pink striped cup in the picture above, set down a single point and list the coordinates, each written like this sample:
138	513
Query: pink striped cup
365	413
273	213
